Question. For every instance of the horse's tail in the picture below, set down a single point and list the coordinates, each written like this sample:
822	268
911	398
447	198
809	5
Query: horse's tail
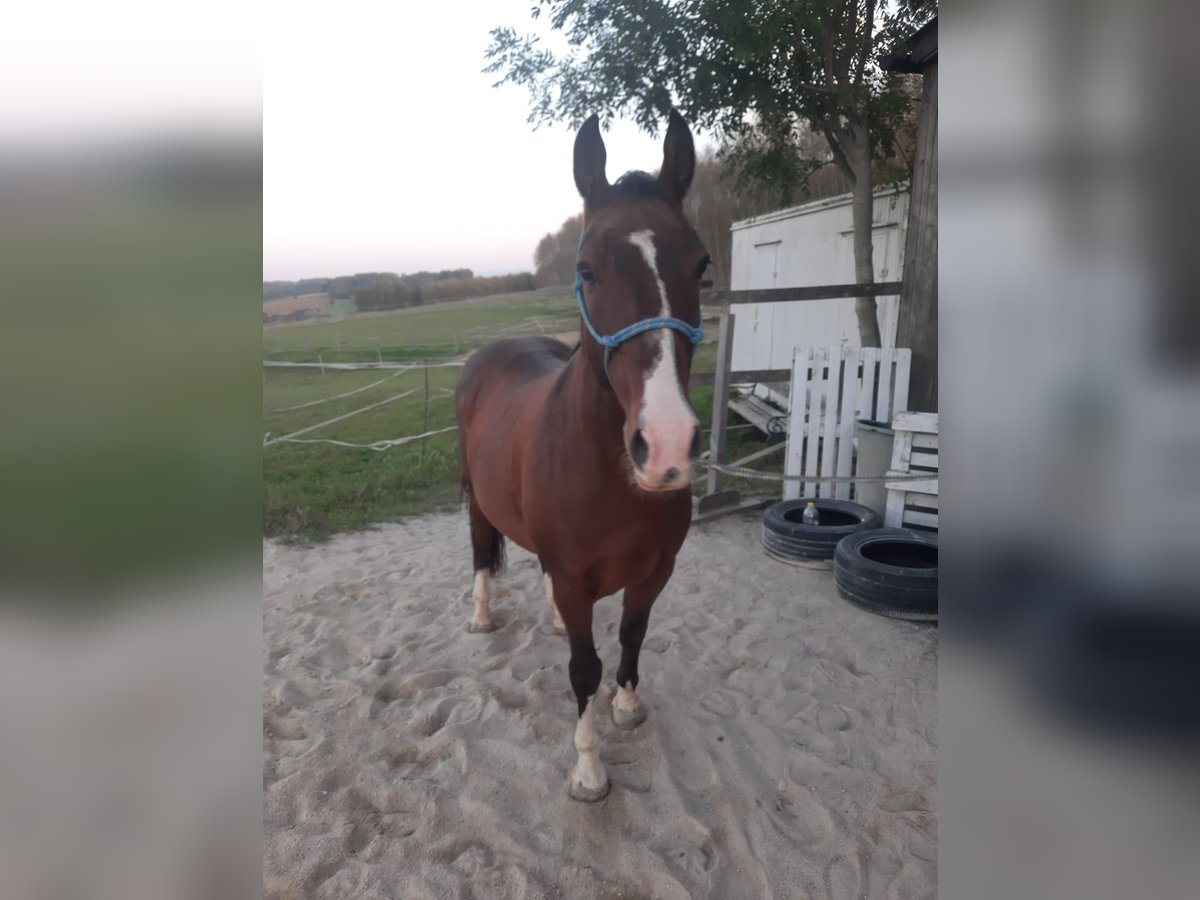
497	558
487	543
486	540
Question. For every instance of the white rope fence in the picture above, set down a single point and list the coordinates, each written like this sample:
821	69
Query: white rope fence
365	387
356	367
398	369
387	444
377	445
268	440
743	472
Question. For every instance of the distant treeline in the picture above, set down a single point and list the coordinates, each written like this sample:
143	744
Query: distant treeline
387	290
396	291
274	290
343	287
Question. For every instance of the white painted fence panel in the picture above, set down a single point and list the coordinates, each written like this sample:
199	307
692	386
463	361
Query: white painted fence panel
851	389
833	387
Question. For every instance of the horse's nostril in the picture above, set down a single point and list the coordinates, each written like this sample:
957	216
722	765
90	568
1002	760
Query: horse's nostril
639	450
670	475
694	450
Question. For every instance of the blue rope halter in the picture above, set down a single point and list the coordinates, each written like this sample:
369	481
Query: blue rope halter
610	342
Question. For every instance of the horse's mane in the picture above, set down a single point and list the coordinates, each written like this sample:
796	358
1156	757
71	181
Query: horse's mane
638	184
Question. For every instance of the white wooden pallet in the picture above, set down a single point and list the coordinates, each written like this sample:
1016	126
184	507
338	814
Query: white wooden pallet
834	387
914	451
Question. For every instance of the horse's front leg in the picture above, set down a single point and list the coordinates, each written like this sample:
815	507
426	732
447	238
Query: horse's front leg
628	711
588	781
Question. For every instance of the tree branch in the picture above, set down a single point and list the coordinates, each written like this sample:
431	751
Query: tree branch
817	88
833	137
865	44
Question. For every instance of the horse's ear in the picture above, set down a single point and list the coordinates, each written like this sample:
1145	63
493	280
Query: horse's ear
679	157
589	160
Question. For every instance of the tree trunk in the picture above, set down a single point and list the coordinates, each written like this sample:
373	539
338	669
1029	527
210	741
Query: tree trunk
917	327
858	155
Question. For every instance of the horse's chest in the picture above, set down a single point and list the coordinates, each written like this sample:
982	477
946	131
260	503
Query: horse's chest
633	565
617	548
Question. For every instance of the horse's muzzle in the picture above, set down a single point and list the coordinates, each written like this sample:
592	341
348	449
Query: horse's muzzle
663	462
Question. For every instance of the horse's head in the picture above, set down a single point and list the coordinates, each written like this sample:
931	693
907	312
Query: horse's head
639	267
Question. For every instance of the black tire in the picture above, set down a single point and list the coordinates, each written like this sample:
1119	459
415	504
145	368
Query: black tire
787	538
890	571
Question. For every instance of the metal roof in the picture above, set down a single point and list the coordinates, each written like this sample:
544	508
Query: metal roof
914	54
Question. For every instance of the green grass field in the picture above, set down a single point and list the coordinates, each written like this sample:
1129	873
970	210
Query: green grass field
314	490
438	331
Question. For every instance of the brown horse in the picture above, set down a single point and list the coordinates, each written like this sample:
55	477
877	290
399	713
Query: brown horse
584	456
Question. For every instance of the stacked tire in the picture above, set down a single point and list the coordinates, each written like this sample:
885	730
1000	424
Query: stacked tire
787	538
890	571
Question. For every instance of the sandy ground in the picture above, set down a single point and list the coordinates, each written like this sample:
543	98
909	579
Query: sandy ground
789	751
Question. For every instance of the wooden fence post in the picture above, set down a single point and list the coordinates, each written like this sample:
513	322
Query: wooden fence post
720	407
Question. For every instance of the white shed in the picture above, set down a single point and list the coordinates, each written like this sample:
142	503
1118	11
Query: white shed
804	246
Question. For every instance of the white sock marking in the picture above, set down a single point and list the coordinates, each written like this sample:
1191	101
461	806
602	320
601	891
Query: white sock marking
589	771
482	595
558	620
627	700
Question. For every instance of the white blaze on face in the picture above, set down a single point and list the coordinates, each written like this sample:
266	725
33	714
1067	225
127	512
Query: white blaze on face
668	422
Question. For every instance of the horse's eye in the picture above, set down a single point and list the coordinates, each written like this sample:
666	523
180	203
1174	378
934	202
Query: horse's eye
701	268
586	273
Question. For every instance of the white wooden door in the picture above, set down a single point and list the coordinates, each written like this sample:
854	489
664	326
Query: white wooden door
764	276
765	272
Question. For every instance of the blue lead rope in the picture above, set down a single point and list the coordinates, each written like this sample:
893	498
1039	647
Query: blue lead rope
611	341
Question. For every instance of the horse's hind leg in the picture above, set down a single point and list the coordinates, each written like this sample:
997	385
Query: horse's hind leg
558	619
487	546
627	708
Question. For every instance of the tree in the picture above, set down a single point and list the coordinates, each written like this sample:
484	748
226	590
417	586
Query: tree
757	75
554	257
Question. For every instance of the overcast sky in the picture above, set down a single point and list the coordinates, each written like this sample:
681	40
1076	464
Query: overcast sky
386	148
384	145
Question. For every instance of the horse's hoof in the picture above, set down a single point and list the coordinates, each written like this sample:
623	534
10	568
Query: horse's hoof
628	718
472	628
585	795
